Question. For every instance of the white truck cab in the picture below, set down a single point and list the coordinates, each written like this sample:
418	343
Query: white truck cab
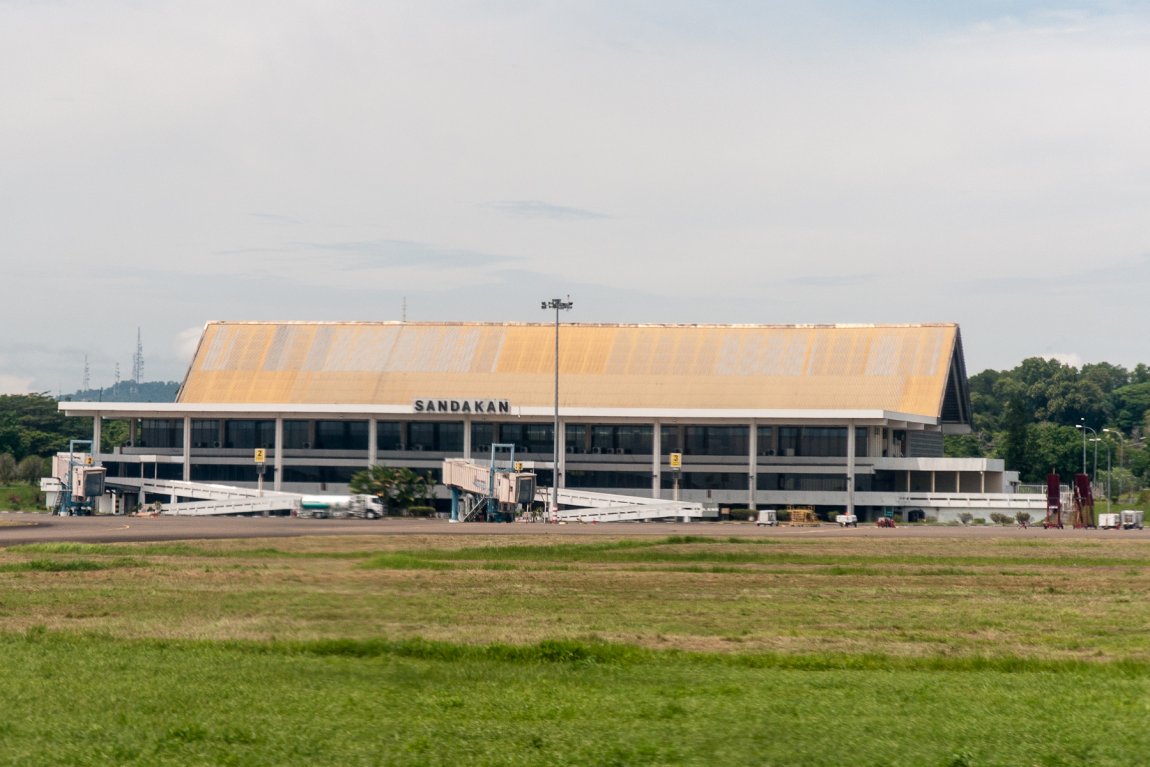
768	517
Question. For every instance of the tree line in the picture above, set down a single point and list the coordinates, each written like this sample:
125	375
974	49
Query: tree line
32	430
1037	416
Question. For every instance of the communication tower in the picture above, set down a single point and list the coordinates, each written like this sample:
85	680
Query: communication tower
138	360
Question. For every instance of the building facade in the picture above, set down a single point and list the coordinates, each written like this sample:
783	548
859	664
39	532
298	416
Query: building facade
840	417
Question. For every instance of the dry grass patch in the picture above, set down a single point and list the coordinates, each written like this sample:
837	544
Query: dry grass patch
1047	598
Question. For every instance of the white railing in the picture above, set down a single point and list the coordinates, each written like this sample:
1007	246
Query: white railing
208	508
1013	501
609	507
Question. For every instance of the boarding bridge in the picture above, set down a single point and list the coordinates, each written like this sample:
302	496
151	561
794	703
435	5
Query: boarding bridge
210	499
608	507
486	482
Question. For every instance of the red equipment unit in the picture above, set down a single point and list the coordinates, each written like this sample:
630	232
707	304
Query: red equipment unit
1083	502
1053	502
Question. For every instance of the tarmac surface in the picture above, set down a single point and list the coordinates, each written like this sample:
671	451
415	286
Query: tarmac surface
18	528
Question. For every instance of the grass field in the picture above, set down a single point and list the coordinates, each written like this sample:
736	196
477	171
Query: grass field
21	496
781	650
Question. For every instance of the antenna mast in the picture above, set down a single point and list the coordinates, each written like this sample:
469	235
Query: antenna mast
138	360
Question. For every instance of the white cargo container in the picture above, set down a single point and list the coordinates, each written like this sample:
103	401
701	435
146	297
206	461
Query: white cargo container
1108	521
768	517
1131	519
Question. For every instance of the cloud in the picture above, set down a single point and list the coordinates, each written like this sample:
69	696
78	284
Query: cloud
1072	359
1085	283
725	162
538	209
274	218
832	280
394	253
16	384
187	340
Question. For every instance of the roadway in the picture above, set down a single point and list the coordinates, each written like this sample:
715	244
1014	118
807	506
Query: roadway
18	528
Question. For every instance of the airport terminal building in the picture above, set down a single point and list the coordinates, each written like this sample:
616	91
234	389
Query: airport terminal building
839	417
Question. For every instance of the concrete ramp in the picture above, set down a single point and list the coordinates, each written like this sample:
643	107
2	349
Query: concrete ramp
203	498
207	508
586	506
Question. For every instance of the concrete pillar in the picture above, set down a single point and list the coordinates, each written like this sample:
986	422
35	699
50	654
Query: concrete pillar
372	441
97	435
657	460
752	464
187	449
278	456
850	467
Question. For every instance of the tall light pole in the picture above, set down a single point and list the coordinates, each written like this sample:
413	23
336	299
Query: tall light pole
1096	440
1085	429
1121	456
556	304
1108	475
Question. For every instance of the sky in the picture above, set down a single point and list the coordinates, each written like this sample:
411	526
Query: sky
167	163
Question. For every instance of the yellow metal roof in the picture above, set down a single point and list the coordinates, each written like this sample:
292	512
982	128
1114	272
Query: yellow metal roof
903	368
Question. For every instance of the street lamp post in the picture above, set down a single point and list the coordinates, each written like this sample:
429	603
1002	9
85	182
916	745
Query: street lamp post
1121	456
1085	429
1096	440
1108	476
556	304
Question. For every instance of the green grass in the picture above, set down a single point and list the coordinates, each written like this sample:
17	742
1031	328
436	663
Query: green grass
75	700
524	651
21	496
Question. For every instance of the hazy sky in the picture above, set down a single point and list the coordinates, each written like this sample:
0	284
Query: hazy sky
167	162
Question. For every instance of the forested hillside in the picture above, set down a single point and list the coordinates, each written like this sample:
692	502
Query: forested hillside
1030	416
130	391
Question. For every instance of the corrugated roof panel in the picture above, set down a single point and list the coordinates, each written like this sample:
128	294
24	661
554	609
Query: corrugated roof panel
622	348
487	350
898	367
286	351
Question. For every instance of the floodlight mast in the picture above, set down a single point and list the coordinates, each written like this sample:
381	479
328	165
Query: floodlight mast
566	305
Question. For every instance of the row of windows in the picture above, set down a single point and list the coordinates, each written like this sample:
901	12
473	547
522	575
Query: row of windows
537	438
576	478
740	480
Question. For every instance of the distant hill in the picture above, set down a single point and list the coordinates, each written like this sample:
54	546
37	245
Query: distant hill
129	391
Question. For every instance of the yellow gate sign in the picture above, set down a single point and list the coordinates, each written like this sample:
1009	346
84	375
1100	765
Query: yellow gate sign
676	460
261	454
